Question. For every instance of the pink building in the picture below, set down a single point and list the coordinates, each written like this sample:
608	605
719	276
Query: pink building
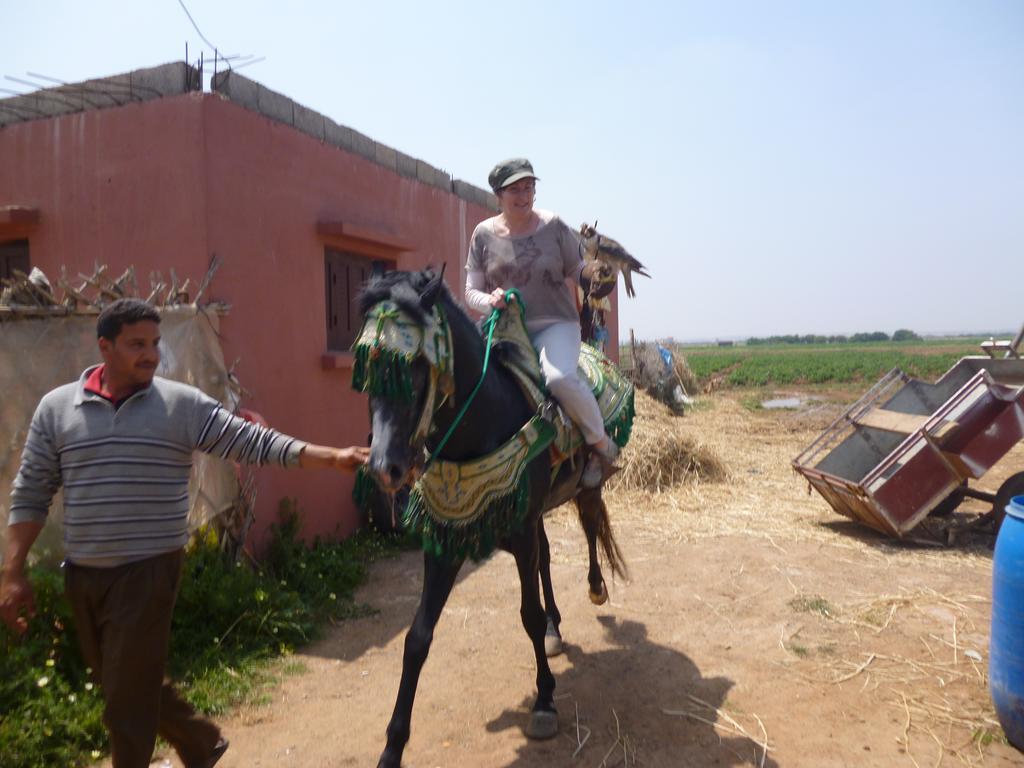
146	169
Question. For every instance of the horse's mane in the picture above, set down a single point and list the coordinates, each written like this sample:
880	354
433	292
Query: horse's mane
405	288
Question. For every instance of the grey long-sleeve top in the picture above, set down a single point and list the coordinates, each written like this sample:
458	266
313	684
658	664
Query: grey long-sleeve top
125	470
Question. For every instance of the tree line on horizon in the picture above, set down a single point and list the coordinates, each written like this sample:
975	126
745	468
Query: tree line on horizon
903	334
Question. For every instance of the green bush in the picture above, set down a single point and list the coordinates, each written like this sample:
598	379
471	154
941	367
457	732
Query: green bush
49	711
231	619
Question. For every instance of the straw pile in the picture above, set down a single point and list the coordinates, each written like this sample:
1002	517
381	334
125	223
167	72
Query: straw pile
661	454
685	375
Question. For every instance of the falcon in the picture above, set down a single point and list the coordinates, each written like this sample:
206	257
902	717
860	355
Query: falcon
613	257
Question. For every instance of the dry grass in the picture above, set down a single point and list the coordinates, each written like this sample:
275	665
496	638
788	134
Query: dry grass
723	470
725	722
939	688
662	453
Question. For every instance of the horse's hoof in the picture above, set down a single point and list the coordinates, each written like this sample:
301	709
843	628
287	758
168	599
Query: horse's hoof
543	724
599	598
552	644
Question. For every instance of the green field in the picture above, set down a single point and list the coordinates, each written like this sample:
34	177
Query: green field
745	366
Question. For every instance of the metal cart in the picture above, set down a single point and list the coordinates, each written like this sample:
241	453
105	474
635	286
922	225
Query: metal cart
909	448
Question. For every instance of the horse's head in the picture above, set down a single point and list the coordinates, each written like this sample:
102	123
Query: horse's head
403	360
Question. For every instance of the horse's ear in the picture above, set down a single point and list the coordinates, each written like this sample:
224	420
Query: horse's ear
428	297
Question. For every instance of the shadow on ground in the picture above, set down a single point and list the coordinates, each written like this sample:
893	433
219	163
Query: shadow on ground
619	695
392	593
927	535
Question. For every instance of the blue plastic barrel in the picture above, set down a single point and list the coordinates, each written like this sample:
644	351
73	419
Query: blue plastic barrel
1006	649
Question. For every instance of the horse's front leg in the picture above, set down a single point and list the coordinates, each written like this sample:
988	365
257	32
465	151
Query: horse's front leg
552	634
526	549
438	579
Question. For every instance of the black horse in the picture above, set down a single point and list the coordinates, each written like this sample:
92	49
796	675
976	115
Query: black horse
497	412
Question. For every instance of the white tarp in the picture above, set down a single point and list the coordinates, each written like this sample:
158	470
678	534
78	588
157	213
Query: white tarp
40	353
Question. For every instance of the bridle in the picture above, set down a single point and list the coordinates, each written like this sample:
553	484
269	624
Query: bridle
385	349
388	344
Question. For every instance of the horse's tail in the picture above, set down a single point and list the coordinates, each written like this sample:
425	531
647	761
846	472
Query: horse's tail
594	518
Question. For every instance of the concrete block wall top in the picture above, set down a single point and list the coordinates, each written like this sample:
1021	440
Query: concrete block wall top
165	80
139	85
475	194
309	121
387	156
338	135
276	105
364	146
406	165
257	98
237	88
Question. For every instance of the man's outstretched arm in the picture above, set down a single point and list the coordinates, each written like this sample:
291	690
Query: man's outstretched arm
325	457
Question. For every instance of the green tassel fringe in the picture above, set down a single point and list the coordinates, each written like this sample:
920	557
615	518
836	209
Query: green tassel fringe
383	372
620	428
475	540
364	488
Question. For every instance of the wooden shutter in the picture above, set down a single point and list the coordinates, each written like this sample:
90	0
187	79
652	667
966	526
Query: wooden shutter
14	255
345	274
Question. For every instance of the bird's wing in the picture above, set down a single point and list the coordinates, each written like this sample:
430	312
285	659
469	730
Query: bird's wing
615	250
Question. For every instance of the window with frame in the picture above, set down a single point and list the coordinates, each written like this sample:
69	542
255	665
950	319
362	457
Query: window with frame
14	255
344	273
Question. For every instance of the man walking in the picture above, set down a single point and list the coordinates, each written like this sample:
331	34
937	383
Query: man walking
120	442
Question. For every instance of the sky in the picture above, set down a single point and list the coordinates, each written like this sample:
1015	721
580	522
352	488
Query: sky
779	167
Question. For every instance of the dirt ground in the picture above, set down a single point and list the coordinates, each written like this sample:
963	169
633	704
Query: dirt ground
756	628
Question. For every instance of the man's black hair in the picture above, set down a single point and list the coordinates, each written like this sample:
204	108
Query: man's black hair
123	312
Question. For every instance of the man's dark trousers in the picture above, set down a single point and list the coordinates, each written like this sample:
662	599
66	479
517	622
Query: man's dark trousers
123	617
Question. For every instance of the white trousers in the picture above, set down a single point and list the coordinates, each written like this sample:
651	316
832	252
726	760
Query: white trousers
559	348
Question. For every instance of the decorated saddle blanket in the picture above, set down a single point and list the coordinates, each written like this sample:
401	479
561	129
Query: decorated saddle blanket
614	392
462	509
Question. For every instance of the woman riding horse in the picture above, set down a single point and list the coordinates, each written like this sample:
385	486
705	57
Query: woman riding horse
533	251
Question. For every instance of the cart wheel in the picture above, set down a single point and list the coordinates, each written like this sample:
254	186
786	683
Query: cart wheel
1014	486
946	507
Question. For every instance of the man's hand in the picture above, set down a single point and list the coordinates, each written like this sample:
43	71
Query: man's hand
325	457
17	602
352	458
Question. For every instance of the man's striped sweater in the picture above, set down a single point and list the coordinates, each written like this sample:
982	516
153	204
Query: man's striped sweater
125	470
